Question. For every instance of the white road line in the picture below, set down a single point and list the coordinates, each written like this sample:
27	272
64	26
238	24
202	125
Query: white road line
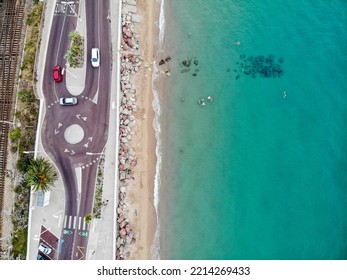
74	222
70	220
79	222
65	221
84	225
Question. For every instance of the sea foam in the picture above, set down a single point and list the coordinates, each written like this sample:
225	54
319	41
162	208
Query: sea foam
155	249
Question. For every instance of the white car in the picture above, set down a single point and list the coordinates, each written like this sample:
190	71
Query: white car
95	57
44	249
68	101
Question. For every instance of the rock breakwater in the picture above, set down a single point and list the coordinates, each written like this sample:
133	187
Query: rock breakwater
130	64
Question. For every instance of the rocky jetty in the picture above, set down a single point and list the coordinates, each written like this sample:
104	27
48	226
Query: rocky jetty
127	158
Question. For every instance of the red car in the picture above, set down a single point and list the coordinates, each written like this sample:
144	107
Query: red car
57	76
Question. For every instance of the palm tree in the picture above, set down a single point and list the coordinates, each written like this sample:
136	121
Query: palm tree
41	175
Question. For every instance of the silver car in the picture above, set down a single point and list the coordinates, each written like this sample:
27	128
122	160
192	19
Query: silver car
68	101
44	249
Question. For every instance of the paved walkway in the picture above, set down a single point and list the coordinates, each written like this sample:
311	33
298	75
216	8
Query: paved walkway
101	244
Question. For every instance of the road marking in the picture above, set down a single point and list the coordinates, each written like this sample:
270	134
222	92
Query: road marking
90	139
79	222
72	152
65	221
56	131
79	249
70	220
83	118
55	215
59	125
84	225
86	145
66	151
74	222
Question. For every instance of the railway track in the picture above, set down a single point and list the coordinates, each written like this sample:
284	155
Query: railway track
11	24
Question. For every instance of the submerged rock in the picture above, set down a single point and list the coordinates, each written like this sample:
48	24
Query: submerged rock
186	63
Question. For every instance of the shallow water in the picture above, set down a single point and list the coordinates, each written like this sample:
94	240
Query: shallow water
259	173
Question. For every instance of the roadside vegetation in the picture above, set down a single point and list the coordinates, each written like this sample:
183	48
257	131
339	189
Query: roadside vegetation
75	53
41	175
98	191
23	135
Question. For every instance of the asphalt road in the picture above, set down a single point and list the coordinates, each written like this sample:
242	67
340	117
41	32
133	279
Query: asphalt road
91	116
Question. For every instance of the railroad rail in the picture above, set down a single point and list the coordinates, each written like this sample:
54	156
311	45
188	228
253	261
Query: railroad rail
11	24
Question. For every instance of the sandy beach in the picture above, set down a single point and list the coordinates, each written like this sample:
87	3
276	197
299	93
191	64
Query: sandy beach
139	197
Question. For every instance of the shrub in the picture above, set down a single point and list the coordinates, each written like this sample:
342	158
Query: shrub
15	134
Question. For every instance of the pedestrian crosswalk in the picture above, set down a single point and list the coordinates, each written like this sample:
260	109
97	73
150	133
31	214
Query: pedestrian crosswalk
73	222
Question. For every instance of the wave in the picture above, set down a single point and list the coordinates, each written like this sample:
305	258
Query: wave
155	249
156	124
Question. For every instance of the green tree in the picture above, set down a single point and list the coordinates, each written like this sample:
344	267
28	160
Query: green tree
41	175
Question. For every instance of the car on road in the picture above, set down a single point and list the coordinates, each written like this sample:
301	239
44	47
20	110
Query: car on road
57	74
95	57
83	233
44	249
41	257
67	231
68	101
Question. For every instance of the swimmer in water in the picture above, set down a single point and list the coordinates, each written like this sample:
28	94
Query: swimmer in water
238	43
284	94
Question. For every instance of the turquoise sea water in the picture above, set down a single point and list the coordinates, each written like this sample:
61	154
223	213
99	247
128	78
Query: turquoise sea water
260	172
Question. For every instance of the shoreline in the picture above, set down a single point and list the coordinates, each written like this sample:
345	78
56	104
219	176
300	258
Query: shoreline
136	215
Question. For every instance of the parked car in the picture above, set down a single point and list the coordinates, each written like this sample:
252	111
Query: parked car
57	75
44	249
41	257
68	101
95	57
